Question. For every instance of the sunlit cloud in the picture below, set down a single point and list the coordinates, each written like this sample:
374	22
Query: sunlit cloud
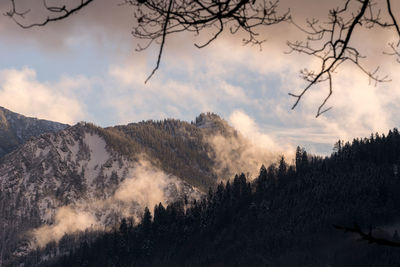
21	92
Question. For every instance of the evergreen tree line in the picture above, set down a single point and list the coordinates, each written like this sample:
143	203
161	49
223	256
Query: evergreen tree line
284	217
177	147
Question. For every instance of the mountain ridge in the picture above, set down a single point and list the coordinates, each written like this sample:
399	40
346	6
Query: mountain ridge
16	129
101	175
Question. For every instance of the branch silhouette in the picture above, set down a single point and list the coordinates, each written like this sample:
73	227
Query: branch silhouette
57	13
368	236
330	41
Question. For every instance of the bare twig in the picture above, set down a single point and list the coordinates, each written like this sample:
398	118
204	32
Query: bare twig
162	42
197	16
328	41
393	17
65	12
368	236
332	45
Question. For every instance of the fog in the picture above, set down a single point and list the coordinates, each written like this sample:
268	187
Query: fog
246	149
145	186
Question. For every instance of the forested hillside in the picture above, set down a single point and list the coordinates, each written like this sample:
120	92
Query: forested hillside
283	218
89	177
177	147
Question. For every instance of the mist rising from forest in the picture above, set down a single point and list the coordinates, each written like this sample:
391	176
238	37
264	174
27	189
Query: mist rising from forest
146	186
246	148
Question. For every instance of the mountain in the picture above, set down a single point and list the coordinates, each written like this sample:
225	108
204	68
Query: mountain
86	176
64	194
285	217
16	129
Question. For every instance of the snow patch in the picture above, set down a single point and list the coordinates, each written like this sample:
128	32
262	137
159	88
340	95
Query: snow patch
98	156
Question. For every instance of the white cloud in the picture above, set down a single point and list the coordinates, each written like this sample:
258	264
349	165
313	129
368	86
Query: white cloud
248	127
22	92
221	84
67	220
183	96
246	150
257	83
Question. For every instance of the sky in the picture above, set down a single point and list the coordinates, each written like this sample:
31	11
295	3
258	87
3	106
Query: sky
85	68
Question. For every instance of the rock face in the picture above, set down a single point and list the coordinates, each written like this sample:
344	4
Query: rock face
86	176
16	129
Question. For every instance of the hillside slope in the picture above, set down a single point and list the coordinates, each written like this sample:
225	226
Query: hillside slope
90	177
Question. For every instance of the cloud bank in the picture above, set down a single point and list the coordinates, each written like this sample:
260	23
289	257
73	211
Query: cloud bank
21	92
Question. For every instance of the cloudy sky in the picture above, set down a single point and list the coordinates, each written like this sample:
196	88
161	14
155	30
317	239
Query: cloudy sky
85	68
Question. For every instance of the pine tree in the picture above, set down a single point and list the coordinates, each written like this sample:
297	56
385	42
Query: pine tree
146	222
396	237
299	153
282	168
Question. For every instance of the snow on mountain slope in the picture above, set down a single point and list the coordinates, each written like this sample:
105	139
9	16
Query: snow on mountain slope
90	177
71	180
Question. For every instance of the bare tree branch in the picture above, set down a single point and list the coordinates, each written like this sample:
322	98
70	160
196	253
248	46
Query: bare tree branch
393	17
332	53
55	10
162	42
368	236
198	16
330	41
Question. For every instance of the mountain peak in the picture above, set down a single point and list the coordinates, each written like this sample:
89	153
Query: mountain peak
16	129
208	120
214	124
